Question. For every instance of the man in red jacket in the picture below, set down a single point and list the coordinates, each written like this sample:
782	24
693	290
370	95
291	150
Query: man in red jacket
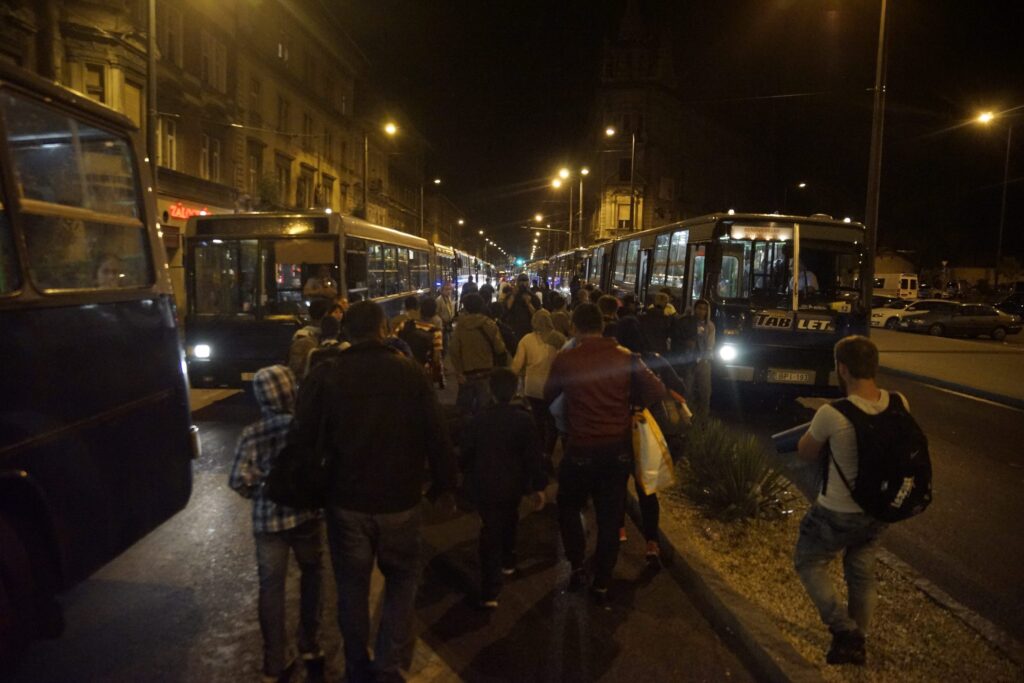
601	381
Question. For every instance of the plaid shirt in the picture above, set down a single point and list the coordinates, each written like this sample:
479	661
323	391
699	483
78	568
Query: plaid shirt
258	445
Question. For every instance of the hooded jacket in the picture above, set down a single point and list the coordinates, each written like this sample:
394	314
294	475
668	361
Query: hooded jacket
697	336
260	442
535	353
469	349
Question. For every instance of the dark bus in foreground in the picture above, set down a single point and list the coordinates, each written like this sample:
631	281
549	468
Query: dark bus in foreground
783	289
95	438
250	278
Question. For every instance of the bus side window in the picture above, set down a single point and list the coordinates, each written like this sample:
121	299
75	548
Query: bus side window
10	274
355	264
82	214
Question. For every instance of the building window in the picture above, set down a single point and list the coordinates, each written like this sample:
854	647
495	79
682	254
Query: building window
170	35
283	48
255	110
283	167
344	104
622	215
307	131
309	70
255	166
344	153
282	114
133	102
95	78
167	149
213	62
209	158
328	146
304	188
327	192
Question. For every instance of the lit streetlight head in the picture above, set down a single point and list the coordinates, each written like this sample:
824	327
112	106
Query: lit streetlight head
537	233
462	222
556	183
610	131
986	117
801	185
563	173
390	128
481	232
437	181
538	217
584	171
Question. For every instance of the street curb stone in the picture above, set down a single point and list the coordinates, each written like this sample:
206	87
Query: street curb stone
1010	401
764	647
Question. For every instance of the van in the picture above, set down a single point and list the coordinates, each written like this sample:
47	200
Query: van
900	285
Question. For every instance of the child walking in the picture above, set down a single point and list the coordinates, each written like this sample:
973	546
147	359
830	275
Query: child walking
502	461
278	529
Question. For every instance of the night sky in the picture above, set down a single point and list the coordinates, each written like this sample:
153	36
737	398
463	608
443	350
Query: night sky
503	92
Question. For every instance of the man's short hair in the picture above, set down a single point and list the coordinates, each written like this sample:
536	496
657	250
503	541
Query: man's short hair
503	384
557	301
608	304
318	308
364	320
428	308
473	303
859	355
587	319
411	303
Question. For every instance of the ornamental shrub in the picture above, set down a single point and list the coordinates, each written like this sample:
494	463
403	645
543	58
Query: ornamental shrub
730	475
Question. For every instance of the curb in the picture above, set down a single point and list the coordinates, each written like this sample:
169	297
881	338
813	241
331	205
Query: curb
1009	401
770	655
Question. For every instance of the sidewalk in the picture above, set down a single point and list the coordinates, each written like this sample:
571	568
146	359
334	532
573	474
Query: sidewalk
988	370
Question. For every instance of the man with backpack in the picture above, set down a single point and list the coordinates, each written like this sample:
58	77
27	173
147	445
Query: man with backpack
876	470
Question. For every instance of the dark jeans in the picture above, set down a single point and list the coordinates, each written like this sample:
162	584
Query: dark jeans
272	551
541	410
650	512
474	394
357	539
600	474
497	544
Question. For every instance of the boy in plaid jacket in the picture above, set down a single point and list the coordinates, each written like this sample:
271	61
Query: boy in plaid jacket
278	529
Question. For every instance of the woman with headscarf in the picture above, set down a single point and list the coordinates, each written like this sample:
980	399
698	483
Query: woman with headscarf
533	358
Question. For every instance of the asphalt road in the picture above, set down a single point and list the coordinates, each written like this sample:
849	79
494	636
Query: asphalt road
181	604
969	541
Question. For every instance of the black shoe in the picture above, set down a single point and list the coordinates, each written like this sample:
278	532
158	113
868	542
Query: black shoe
315	665
848	647
599	596
577	580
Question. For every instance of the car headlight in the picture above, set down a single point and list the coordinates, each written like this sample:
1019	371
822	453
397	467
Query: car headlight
728	352
201	351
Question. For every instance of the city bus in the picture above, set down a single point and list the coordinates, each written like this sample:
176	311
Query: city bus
96	439
249	279
776	323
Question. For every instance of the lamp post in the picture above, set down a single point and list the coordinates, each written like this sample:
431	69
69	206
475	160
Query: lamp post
579	224
611	132
390	129
987	118
875	161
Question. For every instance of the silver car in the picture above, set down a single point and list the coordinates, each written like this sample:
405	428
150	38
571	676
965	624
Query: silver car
964	320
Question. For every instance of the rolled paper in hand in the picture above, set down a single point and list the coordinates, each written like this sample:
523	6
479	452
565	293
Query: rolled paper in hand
786	442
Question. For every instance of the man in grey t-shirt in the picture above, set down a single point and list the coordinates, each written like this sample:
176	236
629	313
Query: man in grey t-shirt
835	523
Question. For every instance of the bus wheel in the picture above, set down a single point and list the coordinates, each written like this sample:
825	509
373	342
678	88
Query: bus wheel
15	598
891	323
936	330
999	334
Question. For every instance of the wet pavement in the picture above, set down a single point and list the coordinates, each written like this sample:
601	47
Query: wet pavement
181	604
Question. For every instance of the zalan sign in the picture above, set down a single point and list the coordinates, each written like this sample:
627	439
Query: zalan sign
784	322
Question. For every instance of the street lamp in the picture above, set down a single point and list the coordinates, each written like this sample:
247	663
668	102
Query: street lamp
987	118
611	132
391	130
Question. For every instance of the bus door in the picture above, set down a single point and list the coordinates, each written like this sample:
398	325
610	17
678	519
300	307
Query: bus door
643	275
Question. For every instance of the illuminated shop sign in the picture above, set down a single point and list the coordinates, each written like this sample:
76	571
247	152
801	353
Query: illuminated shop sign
183	213
761	232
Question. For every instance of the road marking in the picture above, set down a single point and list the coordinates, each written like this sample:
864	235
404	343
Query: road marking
967	396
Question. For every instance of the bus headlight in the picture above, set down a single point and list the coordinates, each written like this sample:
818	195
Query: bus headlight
727	352
201	351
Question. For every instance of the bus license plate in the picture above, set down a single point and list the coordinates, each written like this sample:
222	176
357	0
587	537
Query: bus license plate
777	376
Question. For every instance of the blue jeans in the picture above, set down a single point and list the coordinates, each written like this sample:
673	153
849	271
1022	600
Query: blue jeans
474	394
357	539
823	535
272	549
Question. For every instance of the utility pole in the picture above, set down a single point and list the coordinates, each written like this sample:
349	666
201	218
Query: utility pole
875	162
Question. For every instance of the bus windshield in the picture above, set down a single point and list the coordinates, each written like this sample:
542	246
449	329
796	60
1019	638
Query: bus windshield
267	277
762	272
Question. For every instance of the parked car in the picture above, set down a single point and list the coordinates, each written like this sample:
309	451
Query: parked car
1013	305
890	316
964	320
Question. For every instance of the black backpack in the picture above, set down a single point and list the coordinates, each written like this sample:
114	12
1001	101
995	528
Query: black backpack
419	340
894	470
